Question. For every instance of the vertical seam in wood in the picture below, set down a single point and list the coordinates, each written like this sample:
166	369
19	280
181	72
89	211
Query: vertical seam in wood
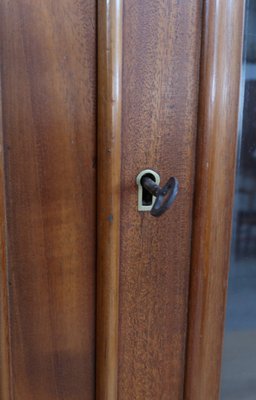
202	4
5	346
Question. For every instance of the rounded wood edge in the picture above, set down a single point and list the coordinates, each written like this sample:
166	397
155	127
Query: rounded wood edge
5	363
110	15
214	186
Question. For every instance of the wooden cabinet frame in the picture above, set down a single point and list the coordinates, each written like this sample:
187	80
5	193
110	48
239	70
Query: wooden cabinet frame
214	187
214	184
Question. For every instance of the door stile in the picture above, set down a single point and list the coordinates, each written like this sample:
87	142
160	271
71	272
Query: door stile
108	194
214	187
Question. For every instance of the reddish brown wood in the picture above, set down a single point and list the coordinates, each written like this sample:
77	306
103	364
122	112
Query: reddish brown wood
5	366
216	153
48	80
108	194
160	92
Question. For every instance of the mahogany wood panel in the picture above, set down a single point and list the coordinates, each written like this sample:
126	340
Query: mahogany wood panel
216	154
48	65
108	194
161	47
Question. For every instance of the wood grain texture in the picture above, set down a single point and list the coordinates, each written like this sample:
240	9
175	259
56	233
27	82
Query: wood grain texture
108	194
216	154
48	64
5	365
160	98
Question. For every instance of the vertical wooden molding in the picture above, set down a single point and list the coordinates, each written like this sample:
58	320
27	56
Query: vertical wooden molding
216	155
108	194
5	364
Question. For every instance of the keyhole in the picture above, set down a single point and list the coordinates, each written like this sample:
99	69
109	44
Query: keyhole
147	198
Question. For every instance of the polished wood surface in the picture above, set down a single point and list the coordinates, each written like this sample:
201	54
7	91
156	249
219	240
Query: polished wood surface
161	48
110	17
48	62
215	169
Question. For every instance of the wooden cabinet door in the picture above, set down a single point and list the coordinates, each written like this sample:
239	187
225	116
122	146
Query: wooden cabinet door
48	229
92	93
147	100
162	287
